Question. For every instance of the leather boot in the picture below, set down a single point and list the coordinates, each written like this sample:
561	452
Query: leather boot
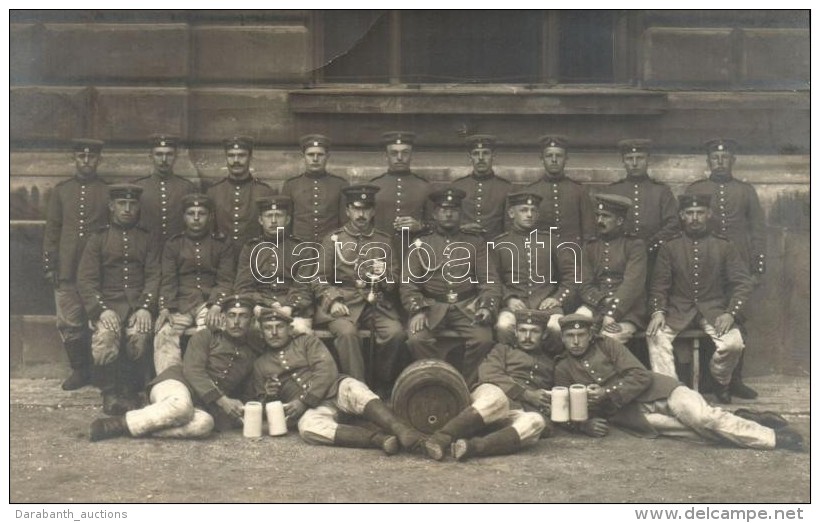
106	428
361	438
722	394
377	412
464	424
131	383
737	387
685	374
788	439
105	378
504	441
78	357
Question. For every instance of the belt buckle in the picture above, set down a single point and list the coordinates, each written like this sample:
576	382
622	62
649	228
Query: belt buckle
452	297
360	284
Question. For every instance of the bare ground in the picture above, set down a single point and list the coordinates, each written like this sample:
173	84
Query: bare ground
51	460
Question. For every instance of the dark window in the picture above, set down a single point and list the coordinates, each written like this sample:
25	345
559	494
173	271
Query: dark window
476	46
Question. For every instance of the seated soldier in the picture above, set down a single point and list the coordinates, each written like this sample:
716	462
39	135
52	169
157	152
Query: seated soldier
699	279
359	272
118	280
197	274
534	273
268	269
654	404
299	370
510	402
454	286
186	399
613	286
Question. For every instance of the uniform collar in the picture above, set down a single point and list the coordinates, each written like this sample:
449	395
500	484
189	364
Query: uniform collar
483	177
721	177
357	233
315	176
548	177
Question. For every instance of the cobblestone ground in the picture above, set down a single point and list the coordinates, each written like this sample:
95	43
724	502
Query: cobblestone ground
51	460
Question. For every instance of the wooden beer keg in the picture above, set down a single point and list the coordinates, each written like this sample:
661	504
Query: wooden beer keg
429	393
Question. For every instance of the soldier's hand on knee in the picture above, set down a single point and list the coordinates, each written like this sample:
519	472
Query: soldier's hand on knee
595	427
110	320
610	325
657	323
213	320
548	303
538	398
162	319
142	320
514	304
418	323
339	309
723	324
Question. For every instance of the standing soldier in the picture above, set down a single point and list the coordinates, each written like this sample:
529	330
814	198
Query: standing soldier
118	279
484	205
452	285
402	198
513	380
197	274
653	212
268	272
566	204
736	214
234	196
318	206
613	286
78	206
534	273
162	191
699	278
359	270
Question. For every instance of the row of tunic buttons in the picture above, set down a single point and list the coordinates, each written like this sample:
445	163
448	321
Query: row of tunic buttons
478	203
236	194
636	210
722	206
398	196
592	371
315	204
125	258
164	207
198	252
81	228
695	268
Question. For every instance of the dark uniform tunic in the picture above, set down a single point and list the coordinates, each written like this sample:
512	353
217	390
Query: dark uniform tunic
217	365
161	204
119	270
279	260
485	203
76	209
318	204
518	279
235	210
736	214
344	279
616	268
565	205
401	193
702	275
654	214
304	368
448	300
195	271
440	293
624	380
516	371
